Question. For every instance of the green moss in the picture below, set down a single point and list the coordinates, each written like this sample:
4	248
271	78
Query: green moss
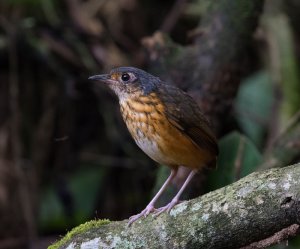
79	229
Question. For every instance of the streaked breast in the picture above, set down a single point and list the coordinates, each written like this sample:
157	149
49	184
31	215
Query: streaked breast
143	117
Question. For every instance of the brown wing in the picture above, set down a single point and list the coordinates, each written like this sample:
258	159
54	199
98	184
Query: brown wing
184	113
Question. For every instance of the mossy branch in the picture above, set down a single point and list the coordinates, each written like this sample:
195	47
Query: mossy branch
244	212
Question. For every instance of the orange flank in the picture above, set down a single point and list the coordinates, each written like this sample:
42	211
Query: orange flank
158	137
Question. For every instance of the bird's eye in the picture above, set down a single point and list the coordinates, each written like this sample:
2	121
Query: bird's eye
125	77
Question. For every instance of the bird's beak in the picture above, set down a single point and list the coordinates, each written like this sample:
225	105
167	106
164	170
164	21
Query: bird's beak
102	77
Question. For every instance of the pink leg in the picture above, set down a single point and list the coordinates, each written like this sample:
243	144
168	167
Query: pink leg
175	200
150	207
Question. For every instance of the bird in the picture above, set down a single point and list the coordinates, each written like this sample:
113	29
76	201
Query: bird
166	123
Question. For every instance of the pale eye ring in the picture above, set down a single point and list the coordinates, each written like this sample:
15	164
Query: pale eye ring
125	77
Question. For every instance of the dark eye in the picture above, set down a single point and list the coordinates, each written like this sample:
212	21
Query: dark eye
125	77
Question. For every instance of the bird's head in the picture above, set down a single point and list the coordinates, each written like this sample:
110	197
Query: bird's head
128	81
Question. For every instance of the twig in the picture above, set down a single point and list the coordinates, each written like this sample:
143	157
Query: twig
173	16
239	158
292	122
278	237
273	124
286	143
61	49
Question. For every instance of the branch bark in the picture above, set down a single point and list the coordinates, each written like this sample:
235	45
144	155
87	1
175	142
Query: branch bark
249	210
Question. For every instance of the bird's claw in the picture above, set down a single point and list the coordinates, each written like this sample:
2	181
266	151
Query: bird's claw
166	208
145	213
150	209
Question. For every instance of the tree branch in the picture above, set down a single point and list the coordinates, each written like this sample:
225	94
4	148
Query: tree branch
249	210
278	237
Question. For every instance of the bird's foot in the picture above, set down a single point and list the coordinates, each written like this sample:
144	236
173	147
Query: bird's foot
166	208
149	209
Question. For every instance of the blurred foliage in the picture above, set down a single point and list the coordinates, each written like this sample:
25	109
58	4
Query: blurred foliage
238	157
81	191
253	105
283	61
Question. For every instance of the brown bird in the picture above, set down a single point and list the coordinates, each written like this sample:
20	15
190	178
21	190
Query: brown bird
166	123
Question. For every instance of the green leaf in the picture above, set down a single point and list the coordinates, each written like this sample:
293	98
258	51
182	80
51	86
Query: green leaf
238	157
83	187
254	105
51	213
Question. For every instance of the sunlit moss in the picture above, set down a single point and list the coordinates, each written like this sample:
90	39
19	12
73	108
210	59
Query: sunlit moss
79	229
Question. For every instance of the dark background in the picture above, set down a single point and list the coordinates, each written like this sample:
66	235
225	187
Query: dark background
65	154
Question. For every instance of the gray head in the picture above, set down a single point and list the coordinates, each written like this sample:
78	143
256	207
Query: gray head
128	80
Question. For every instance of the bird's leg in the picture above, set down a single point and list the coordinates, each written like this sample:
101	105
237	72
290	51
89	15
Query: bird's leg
175	200
150	207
